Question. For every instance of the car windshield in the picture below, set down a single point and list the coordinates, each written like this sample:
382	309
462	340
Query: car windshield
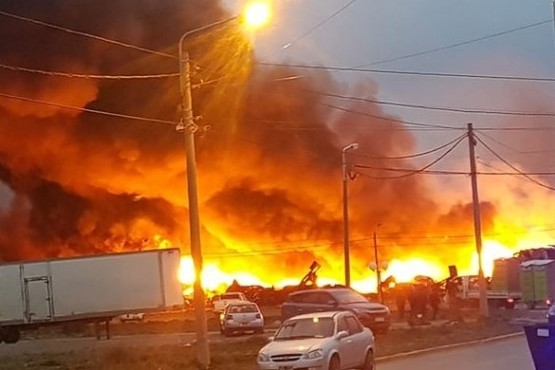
314	327
348	296
243	308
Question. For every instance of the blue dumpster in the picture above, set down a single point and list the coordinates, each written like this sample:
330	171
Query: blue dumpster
541	341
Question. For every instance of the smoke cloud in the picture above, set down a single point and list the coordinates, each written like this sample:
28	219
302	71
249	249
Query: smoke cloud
269	148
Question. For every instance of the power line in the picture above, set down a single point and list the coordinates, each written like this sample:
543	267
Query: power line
88	110
410	156
329	244
376	116
457	44
498	142
320	24
516	129
435	108
85	34
86	76
410	73
513	167
433	126
415	172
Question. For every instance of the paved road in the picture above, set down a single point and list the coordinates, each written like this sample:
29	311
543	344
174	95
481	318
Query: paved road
511	354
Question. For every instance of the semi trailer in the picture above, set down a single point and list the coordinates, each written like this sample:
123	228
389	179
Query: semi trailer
86	289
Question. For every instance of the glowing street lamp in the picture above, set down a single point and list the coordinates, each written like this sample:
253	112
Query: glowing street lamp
255	15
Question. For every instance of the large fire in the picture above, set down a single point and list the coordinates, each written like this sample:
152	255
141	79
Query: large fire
269	158
215	279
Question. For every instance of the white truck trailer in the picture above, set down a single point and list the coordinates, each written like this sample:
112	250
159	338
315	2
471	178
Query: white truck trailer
87	289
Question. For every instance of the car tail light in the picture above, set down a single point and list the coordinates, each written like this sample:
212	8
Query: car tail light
548	302
510	300
258	316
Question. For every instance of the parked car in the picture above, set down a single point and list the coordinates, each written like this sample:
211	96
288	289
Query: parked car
375	316
241	317
220	302
551	314
332	340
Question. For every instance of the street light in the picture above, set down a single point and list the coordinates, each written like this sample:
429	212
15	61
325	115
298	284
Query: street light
378	267
254	17
353	146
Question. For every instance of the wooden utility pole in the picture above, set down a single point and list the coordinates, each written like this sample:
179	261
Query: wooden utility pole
484	312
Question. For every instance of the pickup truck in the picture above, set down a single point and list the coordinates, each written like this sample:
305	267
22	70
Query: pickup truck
221	301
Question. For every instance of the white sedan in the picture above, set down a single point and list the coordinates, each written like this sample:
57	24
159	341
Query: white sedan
320	341
241	317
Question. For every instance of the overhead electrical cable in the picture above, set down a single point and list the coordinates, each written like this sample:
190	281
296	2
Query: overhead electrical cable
320	24
411	73
86	76
376	116
415	172
409	156
447	239
457	44
513	167
89	35
435	108
514	150
88	110
433	126
515	129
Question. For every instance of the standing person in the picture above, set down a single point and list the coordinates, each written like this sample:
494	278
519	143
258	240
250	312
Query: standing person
434	299
400	300
454	300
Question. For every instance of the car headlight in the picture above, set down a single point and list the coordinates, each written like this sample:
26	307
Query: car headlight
262	357
318	353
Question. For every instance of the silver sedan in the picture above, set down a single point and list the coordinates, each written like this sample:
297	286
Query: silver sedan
320	341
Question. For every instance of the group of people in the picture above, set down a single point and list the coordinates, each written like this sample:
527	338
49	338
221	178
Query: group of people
419	296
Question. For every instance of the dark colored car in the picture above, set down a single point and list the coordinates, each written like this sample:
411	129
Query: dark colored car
375	316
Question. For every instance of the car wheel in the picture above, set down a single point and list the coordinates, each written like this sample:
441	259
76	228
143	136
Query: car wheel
369	361
11	335
335	364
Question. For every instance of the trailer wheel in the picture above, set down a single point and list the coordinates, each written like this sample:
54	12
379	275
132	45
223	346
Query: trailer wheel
11	335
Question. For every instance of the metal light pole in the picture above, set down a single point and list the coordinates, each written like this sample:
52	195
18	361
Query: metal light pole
189	127
254	15
346	251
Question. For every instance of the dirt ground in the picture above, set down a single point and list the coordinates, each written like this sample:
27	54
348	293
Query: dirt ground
239	352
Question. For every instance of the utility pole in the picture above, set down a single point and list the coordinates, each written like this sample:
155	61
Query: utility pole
346	247
484	312
189	128
378	269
